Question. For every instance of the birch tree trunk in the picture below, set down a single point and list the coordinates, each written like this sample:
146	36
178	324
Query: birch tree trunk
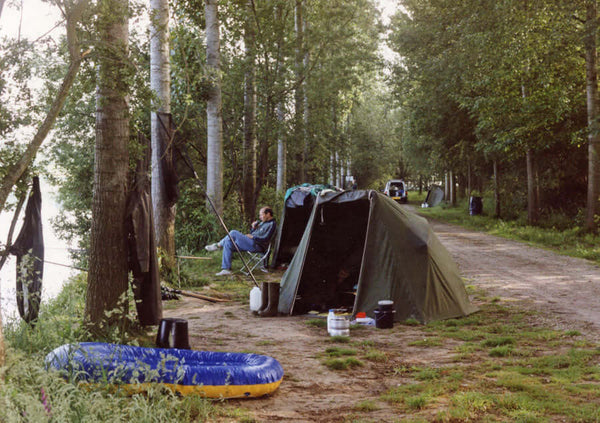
160	84
593	188
299	91
249	156
214	150
107	275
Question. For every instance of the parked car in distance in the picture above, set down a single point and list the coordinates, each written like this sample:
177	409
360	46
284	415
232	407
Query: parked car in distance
396	190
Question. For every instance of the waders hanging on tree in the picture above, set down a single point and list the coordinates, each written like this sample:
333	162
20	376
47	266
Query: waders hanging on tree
29	249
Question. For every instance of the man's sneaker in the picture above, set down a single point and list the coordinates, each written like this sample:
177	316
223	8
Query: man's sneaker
212	247
224	272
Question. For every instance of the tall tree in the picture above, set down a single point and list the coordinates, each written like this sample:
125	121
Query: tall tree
249	156
160	82
214	123
591	60
299	133
107	275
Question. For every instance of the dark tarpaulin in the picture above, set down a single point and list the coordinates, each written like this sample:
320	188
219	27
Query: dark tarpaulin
298	204
29	249
143	261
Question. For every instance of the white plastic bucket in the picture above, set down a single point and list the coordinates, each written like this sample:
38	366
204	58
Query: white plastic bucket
255	298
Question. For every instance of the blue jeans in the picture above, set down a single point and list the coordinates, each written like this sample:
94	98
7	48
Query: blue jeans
242	241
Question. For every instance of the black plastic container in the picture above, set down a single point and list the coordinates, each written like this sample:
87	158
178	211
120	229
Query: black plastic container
173	333
384	319
475	206
384	315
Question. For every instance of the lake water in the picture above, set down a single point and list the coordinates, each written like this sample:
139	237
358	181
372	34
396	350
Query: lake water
56	251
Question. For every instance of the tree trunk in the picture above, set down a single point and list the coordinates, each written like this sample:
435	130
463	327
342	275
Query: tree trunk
305	137
16	172
214	119
469	189
496	190
593	188
532	208
249	155
281	150
160	84
164	209
299	91
107	275
452	188
279	110
447	187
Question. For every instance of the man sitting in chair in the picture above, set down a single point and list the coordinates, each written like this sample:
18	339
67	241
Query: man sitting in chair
256	241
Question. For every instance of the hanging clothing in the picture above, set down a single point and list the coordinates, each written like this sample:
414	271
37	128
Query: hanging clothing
143	261
29	249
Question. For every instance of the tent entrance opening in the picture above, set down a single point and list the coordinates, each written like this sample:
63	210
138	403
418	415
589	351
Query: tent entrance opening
332	265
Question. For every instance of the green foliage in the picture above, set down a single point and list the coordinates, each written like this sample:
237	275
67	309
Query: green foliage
482	82
569	240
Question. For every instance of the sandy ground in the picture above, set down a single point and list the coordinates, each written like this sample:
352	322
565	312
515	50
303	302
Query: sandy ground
565	291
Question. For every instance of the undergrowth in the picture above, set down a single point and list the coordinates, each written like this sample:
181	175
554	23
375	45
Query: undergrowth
555	232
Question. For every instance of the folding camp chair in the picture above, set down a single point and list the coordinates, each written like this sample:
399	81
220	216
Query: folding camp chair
258	259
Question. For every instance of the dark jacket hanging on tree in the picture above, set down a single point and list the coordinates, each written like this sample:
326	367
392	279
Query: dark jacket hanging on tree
29	249
143	261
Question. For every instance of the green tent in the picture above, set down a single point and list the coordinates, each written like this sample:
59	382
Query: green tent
388	252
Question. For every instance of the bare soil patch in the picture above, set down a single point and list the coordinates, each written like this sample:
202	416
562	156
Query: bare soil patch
564	290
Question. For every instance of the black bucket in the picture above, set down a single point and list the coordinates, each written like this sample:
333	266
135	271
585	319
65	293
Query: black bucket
475	206
384	315
173	333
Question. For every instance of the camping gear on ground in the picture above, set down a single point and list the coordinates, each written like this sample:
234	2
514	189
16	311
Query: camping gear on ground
132	369
363	319
435	195
384	314
173	333
338	323
402	260
298	204
29	249
475	206
255	298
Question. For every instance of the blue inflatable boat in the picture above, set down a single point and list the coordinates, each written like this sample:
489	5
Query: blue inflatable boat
210	374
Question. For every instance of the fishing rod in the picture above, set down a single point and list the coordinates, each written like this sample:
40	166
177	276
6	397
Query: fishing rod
188	162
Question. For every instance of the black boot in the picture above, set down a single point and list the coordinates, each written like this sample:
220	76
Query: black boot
271	310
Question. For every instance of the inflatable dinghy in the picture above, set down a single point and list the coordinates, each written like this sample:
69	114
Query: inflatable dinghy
205	373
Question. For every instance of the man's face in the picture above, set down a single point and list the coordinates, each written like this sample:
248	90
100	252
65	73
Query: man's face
263	216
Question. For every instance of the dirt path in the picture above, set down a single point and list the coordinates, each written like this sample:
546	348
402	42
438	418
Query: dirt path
565	290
